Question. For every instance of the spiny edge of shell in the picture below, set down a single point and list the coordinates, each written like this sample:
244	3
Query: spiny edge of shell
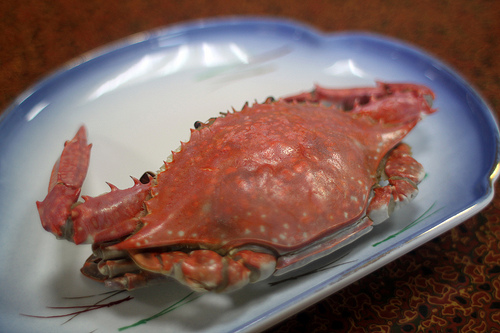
206	125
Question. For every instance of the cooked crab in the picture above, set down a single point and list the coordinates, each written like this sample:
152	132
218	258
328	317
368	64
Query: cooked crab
253	193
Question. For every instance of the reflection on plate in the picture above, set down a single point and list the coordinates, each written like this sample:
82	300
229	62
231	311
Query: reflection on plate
138	99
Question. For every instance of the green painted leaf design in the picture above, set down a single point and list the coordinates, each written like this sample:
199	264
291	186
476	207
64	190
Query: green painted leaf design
185	300
428	213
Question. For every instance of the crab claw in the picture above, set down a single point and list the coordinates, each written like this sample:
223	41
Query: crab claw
109	216
65	184
357	99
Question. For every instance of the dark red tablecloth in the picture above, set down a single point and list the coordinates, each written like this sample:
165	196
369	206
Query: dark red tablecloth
450	284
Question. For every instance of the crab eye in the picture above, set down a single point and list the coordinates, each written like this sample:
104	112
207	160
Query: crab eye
146	176
197	124
269	100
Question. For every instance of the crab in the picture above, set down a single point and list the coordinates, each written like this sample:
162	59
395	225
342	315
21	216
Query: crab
253	193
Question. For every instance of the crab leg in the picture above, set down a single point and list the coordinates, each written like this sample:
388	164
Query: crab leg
106	217
403	173
201	270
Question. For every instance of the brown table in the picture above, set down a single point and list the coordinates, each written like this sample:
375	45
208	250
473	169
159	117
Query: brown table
450	284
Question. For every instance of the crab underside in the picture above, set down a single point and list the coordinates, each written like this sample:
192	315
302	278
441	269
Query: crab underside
257	192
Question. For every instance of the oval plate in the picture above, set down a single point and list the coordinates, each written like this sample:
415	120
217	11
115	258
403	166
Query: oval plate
138	99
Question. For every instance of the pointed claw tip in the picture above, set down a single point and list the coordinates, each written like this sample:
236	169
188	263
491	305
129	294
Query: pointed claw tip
81	134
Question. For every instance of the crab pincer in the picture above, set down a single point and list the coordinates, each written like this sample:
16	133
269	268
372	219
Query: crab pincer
65	184
106	217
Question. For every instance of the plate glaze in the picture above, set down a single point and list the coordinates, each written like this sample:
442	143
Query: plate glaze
138	99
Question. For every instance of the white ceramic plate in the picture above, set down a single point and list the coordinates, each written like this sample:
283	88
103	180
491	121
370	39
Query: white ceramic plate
139	98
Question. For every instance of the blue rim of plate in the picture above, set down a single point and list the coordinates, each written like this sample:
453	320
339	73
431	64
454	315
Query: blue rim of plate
137	39
16	111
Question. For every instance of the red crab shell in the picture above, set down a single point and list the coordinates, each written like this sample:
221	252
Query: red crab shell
290	178
243	180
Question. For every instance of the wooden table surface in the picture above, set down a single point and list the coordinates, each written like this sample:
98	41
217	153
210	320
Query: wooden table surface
450	284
